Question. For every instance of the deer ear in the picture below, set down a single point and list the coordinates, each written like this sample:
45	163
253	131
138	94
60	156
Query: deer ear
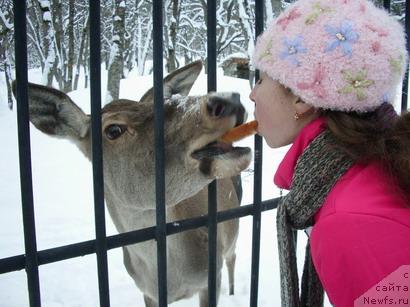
54	113
179	81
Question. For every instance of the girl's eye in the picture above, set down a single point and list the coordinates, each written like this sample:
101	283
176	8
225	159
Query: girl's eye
259	81
115	131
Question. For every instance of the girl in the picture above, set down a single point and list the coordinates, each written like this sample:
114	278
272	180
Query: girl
329	71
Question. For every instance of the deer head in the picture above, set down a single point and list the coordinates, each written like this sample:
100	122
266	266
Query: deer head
192	125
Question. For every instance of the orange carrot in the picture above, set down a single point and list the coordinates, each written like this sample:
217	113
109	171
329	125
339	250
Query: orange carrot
240	132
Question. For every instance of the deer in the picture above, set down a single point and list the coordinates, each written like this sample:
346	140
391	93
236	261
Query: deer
193	158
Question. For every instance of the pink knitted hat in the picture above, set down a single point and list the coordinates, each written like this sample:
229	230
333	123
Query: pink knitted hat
344	55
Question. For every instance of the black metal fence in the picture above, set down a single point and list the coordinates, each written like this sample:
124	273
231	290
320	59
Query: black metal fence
33	258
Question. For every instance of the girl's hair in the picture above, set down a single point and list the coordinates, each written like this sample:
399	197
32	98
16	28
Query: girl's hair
379	135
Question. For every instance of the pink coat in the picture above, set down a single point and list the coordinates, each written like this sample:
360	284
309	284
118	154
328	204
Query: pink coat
361	233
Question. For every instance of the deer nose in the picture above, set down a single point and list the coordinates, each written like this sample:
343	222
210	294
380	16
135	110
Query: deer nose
220	105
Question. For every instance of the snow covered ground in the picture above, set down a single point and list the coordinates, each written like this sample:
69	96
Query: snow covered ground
62	183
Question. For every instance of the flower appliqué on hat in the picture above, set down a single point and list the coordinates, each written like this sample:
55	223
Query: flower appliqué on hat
357	83
292	49
315	85
396	64
318	10
343	36
266	51
380	32
284	21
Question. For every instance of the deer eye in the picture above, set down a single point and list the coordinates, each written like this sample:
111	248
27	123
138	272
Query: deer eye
115	131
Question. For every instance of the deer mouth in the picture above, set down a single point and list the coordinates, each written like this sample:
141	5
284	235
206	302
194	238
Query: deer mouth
219	150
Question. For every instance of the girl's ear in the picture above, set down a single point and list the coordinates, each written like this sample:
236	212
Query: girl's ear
300	106
302	109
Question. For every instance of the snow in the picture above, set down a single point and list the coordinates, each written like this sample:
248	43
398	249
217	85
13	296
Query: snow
234	55
45	4
122	4
116	38
47	16
63	200
3	92
108	97
6	23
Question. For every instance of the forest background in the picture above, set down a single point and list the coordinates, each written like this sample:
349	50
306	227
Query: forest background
58	40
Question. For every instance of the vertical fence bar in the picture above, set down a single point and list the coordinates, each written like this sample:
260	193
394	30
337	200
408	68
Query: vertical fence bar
386	4
30	242
97	158
257	182
212	188
405	88
161	234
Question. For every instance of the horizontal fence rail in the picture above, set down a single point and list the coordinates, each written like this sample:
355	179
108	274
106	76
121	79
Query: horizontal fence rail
51	255
32	259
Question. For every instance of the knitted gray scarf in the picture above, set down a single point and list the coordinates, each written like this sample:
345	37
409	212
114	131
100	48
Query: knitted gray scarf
317	170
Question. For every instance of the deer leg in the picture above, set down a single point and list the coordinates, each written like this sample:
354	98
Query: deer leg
230	263
149	302
203	298
203	294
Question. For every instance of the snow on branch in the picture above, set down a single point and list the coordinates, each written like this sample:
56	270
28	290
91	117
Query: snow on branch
6	23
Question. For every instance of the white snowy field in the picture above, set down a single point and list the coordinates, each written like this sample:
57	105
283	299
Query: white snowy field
62	183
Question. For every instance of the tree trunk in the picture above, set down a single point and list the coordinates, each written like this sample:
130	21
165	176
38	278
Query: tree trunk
5	59
173	30
58	67
116	66
7	73
245	22
131	41
6	28
47	44
68	80
80	60
34	26
166	32
273	9
143	48
205	9
86	59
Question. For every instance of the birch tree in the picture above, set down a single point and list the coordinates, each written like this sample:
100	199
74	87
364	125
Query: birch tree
82	53
6	28
139	32
192	31
247	24
64	39
63	21
116	61
273	9
49	56
171	23
229	33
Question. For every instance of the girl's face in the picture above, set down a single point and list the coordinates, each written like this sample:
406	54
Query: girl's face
275	107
